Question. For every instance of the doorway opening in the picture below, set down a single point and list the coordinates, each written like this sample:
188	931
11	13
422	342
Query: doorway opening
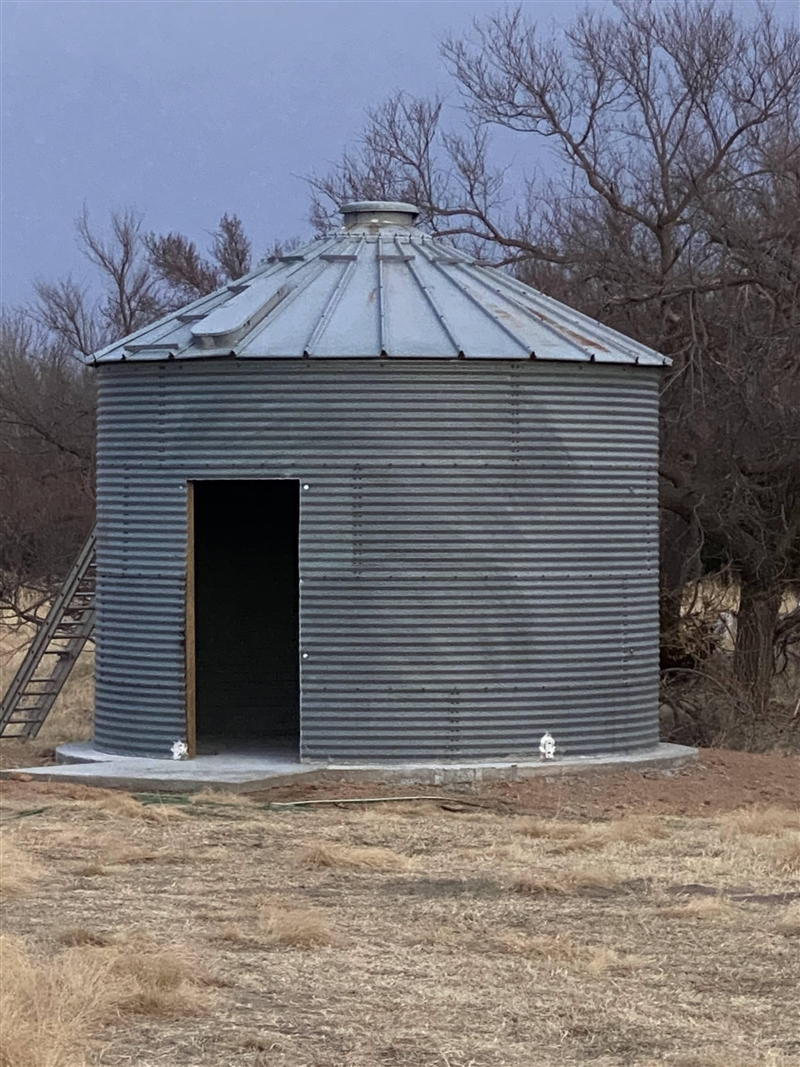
243	674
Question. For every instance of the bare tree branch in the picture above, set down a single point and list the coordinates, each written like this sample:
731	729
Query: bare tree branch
232	248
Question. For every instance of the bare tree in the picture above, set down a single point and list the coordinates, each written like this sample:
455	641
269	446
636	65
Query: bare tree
47	393
141	275
130	296
232	248
186	274
674	217
46	462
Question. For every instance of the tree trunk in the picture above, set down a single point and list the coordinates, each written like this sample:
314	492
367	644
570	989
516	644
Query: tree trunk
676	547
753	661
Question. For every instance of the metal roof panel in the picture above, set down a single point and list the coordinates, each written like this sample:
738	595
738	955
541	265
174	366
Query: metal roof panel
379	287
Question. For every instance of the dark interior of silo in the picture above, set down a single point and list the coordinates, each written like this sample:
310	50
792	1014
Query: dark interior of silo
246	617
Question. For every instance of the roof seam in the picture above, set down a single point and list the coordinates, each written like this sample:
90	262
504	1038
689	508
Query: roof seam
622	341
432	304
484	310
380	295
324	318
518	304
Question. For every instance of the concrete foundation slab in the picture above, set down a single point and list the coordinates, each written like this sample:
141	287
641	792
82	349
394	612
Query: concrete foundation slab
249	770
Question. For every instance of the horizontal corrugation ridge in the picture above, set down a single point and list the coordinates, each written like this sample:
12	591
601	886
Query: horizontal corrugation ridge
478	548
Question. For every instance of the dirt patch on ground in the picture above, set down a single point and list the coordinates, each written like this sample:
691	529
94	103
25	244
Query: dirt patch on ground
622	919
721	781
14	753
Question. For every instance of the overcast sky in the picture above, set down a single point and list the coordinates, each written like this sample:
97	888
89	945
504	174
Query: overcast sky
186	109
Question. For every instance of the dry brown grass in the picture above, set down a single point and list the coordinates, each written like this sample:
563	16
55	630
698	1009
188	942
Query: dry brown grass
18	871
552	829
727	1059
165	981
636	830
125	857
295	927
789	924
78	935
566	881
561	951
570	836
603	960
49	1005
112	850
52	1005
91	870
712	909
481	944
760	821
232	933
116	803
325	854
784	854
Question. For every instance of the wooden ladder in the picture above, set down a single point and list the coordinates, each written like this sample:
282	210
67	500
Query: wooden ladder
54	650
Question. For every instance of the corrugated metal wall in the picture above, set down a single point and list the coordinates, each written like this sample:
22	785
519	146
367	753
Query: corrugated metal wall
478	548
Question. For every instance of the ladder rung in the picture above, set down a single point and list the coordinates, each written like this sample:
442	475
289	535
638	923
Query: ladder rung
70	623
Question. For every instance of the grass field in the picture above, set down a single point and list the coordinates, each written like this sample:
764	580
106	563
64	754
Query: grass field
622	920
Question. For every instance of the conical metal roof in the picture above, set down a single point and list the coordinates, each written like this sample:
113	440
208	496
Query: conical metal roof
378	287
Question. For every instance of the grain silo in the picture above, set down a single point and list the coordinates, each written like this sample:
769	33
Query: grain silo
377	501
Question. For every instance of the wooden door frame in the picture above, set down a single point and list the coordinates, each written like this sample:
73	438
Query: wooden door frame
190	628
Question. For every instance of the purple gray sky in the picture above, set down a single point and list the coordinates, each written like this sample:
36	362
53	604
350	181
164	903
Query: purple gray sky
186	109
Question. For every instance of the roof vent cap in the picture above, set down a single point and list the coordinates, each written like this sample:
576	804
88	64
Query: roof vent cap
372	214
